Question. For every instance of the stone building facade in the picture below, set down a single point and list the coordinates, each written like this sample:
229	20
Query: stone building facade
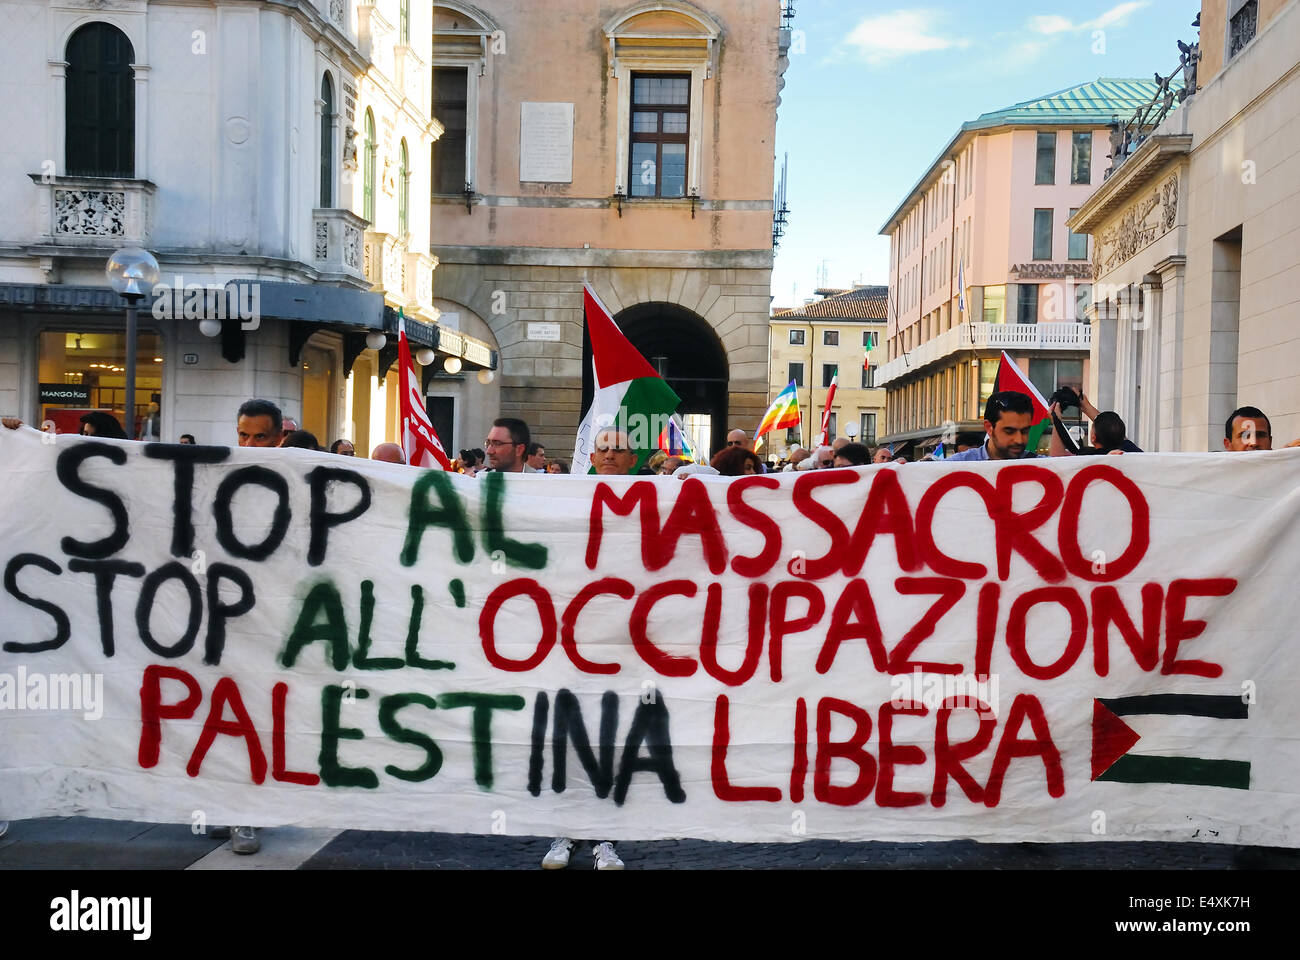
843	331
986	228
284	149
1197	263
629	145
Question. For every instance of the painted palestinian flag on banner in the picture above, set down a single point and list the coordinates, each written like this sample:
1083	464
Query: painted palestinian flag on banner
420	441
630	395
783	414
1010	378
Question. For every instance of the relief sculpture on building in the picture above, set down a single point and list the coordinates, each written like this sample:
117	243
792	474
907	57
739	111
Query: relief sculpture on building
89	213
1143	224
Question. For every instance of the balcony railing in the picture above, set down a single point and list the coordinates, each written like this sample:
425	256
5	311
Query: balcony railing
988	336
337	238
93	212
385	264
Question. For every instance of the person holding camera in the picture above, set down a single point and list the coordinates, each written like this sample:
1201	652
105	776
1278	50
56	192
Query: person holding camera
1108	434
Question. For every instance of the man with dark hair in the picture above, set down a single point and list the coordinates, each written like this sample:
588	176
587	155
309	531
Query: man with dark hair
852	455
188	438
968	440
507	445
259	423
97	423
1247	430
1008	417
343	447
536	458
301	439
1108	435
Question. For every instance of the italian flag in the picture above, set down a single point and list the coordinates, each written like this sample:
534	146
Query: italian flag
630	394
1010	378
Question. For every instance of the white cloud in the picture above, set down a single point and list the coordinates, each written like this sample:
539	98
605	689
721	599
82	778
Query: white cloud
891	36
1052	23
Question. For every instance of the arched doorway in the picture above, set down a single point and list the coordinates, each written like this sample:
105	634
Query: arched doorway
687	354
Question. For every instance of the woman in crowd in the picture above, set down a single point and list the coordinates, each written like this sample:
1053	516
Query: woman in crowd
737	462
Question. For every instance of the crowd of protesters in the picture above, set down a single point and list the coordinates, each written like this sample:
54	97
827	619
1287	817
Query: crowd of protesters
509	448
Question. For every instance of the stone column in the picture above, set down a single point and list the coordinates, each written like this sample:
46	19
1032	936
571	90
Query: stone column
1172	272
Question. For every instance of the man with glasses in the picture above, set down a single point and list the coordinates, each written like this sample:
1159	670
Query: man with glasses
1008	417
613	456
507	446
823	458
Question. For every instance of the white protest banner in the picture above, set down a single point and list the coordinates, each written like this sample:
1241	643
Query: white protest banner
1075	649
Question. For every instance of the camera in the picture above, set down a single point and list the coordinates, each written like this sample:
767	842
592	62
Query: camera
1065	396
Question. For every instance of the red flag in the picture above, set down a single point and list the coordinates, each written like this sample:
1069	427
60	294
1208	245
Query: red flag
420	441
1010	378
823	439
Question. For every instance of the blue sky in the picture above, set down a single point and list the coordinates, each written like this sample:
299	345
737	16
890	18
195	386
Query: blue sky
882	86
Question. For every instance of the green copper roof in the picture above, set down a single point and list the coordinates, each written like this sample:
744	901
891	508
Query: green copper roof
1095	102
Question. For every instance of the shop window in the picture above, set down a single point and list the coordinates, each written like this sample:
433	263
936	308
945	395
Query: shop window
84	370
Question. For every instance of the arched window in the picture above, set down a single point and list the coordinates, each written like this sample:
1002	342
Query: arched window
403	191
100	103
368	174
326	143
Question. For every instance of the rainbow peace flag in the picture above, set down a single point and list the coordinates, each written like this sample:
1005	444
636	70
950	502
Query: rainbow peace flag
672	441
783	414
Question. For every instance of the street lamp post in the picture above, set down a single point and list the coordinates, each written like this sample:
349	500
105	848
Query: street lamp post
132	272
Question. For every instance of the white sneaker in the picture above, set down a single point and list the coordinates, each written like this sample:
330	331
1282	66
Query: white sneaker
245	840
606	858
557	858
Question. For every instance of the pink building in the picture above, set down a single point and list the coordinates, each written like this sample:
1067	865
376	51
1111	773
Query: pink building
990	215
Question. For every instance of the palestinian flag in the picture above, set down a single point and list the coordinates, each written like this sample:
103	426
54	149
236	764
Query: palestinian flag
782	415
1010	378
630	394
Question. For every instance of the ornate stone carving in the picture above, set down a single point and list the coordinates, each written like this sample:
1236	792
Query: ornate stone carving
352	247
337	9
322	240
1170	201
1146	221
89	213
350	147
